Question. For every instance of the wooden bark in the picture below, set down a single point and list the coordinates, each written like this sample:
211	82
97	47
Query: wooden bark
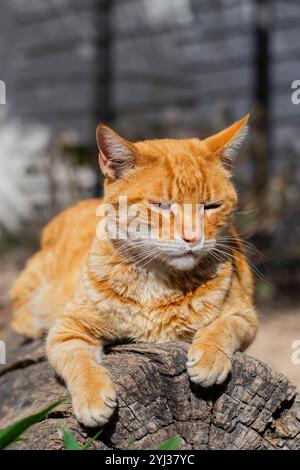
255	409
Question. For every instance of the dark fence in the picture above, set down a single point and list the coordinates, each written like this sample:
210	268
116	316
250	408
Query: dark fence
175	67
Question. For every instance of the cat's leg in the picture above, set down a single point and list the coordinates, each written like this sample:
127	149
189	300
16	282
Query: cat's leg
209	357
74	349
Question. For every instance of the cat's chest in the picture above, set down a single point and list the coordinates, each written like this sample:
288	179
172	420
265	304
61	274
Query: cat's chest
145	308
163	314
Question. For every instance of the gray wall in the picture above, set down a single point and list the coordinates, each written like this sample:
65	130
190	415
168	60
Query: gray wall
285	60
52	62
188	71
178	67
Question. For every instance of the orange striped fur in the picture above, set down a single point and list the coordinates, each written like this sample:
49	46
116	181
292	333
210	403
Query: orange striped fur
87	292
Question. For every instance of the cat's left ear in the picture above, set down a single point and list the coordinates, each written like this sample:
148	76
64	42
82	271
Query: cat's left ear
116	155
224	144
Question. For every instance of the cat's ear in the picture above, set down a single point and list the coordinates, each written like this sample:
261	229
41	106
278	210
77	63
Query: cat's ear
225	143
116	155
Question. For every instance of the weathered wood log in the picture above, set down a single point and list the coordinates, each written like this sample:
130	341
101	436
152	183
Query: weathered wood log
255	409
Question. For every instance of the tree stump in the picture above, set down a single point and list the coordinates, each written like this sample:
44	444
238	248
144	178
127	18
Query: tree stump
255	409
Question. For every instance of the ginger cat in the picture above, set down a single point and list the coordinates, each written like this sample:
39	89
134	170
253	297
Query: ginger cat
89	291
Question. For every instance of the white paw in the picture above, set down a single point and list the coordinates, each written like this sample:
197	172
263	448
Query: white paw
208	365
94	410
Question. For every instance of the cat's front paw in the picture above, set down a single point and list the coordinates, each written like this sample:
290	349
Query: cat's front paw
94	404
207	364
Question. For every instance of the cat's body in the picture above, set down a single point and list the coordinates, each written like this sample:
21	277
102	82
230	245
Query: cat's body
88	291
146	305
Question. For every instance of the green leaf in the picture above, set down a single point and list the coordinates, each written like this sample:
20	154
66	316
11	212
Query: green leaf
90	441
70	442
13	432
174	443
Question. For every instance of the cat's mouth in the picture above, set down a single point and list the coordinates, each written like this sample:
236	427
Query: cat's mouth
183	261
188	254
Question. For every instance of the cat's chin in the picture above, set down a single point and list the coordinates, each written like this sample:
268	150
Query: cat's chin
183	263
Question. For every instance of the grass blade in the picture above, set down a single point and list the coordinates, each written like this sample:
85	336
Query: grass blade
90	441
70	442
13	432
174	443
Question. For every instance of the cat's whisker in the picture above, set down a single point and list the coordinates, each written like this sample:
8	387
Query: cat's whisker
133	259
247	247
149	261
138	255
240	249
119	251
252	266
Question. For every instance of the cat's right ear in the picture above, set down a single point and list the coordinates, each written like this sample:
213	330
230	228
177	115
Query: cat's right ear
116	155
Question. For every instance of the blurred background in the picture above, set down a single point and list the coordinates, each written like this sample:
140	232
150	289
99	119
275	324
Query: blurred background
155	68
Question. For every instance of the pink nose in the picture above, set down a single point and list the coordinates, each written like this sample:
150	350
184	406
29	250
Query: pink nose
190	238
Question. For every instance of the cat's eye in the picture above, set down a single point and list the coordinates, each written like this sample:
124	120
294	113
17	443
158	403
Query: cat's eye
212	205
161	205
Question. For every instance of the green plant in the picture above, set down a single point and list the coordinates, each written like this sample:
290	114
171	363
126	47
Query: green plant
174	443
70	442
12	433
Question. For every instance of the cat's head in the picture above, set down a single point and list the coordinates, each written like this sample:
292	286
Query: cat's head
156	178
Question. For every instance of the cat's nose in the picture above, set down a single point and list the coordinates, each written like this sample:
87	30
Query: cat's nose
190	238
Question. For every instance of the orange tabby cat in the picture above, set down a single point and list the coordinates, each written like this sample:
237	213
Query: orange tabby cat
89	291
